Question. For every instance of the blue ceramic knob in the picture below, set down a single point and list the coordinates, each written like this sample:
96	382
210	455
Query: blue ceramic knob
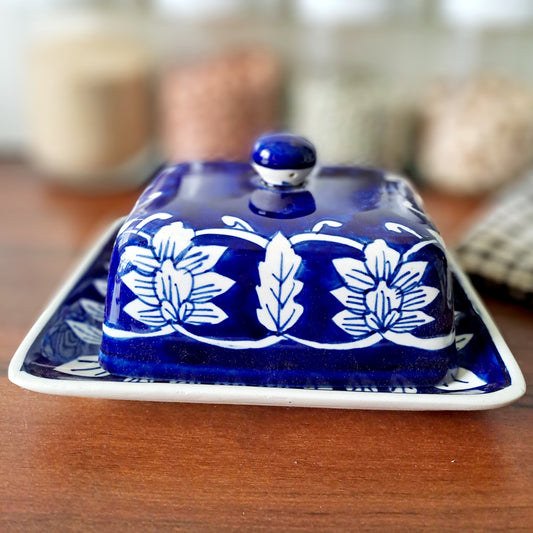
282	159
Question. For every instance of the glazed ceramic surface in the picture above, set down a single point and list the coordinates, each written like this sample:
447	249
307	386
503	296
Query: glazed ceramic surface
221	275
60	356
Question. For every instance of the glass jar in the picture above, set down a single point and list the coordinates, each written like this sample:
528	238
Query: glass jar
476	119
88	97
345	92
220	80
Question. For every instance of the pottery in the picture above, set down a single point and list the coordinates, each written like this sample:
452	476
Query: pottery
60	356
279	273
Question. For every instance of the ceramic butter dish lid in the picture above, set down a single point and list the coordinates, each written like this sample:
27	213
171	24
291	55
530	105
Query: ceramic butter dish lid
279	273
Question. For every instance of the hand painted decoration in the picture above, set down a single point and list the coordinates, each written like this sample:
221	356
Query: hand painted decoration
279	273
383	295
457	380
173	279
174	282
279	287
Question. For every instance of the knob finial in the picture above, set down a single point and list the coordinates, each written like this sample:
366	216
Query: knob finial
283	159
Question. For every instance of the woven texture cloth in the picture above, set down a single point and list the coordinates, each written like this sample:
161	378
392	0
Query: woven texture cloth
498	251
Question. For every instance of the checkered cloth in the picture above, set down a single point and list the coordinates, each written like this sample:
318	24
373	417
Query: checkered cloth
498	251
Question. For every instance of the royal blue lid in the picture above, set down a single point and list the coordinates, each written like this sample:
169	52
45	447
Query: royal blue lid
284	151
237	273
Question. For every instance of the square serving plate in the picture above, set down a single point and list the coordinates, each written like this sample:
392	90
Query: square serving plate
60	356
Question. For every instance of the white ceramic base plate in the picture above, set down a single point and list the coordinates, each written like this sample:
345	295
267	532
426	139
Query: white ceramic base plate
487	375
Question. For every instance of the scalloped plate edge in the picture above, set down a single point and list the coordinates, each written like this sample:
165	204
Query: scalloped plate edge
251	395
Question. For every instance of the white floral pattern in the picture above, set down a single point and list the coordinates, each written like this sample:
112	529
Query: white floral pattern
173	280
384	293
384	274
457	380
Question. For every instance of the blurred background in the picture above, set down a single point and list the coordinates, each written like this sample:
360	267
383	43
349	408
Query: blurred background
95	94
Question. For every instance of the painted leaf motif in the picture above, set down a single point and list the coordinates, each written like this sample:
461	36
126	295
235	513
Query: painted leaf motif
381	259
409	275
460	379
410	320
171	240
201	258
142	259
93	309
205	313
418	298
101	286
85	365
461	341
353	300
147	314
142	286
172	285
85	332
383	300
354	273
278	286
354	325
209	285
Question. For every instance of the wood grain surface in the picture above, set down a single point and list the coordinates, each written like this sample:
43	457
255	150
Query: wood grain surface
73	464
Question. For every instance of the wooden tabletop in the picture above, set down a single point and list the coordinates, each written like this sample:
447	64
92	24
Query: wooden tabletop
75	464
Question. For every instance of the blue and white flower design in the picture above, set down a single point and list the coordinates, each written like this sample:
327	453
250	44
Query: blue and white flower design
173	280
383	295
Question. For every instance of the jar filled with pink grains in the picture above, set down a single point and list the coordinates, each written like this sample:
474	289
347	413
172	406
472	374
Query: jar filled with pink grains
214	108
